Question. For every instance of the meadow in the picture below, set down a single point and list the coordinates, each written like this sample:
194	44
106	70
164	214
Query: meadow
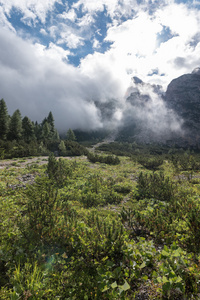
123	227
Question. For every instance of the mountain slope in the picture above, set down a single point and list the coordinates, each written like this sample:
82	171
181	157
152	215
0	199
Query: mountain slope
183	97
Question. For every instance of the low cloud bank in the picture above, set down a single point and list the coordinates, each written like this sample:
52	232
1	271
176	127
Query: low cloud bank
147	111
37	79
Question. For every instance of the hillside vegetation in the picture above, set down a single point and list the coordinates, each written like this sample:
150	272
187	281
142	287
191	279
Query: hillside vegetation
75	229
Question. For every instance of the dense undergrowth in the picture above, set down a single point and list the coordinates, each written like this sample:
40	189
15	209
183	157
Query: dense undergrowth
88	230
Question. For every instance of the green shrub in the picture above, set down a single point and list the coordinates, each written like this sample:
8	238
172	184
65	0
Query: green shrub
97	192
150	163
40	212
176	273
74	149
27	282
123	188
192	220
155	186
109	159
58	171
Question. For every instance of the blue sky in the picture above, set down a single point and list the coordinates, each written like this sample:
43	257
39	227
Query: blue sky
66	55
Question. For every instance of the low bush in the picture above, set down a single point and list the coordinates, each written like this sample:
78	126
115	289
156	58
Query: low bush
150	163
109	159
155	186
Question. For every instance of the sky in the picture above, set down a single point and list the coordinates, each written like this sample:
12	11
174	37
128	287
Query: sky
67	56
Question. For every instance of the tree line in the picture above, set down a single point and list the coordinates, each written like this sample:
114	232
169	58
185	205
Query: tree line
22	137
17	128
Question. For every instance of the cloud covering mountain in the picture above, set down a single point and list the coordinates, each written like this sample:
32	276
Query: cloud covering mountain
67	56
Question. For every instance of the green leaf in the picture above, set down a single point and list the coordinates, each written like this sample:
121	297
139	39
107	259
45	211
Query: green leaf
177	253
114	285
166	248
154	274
105	289
105	258
165	253
164	279
142	265
125	286
179	279
159	279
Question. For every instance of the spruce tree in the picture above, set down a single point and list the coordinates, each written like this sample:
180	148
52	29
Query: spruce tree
50	120
15	126
46	131
38	130
4	120
70	135
28	130
56	136
62	148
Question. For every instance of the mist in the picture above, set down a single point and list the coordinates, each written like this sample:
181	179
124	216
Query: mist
146	110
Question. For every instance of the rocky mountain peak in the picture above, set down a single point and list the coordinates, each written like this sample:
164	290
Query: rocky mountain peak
183	96
196	71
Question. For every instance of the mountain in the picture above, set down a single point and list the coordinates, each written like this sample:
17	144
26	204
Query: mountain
183	96
172	117
148	114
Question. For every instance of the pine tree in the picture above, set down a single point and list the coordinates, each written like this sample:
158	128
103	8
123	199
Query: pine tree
4	120
15	126
38	130
44	121
62	148
28	130
56	136
70	135
50	120
52	166
46	131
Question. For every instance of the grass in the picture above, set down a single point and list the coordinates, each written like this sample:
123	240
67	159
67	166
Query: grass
156	234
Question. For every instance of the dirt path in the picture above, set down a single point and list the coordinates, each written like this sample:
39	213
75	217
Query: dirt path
108	140
22	162
40	160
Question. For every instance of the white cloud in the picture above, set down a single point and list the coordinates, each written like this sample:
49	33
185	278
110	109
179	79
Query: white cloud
136	44
115	8
180	19
90	5
66	35
86	20
36	80
136	36
53	51
43	31
110	77
69	15
31	9
96	44
4	21
72	40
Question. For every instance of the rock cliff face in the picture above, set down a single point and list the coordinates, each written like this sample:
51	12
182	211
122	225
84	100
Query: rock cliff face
183	96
